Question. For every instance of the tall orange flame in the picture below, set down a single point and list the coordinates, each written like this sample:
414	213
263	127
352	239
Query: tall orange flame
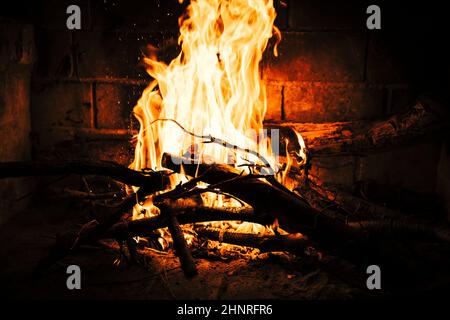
212	88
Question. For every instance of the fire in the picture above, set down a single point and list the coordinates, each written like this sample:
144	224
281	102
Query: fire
212	88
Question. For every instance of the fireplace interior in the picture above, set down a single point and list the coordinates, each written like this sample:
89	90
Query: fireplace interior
369	175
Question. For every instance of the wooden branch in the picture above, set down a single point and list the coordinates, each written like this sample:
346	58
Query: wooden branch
292	212
376	219
180	245
67	193
336	138
185	215
89	233
342	269
265	243
407	226
221	142
112	229
172	217
152	181
357	208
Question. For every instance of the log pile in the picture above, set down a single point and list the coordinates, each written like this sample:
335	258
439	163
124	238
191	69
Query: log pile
264	200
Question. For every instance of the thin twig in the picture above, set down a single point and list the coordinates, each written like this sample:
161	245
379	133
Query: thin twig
221	142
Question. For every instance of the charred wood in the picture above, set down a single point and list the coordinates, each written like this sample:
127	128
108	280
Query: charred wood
376	219
112	229
185	215
150	180
424	119
265	243
403	227
293	213
180	245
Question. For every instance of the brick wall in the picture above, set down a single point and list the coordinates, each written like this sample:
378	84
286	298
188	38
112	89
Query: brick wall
86	82
330	68
16	59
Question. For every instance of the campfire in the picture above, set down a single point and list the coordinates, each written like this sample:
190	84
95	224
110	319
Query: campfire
205	111
211	175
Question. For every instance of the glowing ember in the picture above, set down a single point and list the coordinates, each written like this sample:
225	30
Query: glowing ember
212	88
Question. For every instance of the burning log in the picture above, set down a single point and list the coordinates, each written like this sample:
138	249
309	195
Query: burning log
292	212
184	215
338	138
265	243
145	226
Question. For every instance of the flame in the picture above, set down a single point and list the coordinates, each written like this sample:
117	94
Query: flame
212	88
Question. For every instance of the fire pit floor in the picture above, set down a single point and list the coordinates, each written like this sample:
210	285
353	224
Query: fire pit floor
26	240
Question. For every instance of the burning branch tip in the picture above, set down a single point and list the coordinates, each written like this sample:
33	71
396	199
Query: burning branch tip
219	141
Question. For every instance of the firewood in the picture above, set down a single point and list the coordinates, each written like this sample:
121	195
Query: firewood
339	267
265	243
89	233
357	208
112	229
292	212
170	217
180	245
360	137
152	181
67	193
376	219
407	226
185	215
